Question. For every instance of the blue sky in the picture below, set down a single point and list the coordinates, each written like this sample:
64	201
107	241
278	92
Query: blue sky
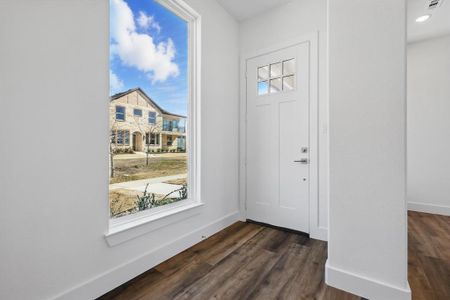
149	50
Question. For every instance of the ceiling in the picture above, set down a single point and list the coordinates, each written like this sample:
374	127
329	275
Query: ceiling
245	9
437	25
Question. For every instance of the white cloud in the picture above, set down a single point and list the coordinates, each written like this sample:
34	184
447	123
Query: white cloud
145	22
115	84
137	49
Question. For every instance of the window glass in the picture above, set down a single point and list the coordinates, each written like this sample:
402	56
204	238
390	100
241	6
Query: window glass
288	83
149	76
289	67
152	117
263	88
120	113
276	77
275	85
275	70
263	73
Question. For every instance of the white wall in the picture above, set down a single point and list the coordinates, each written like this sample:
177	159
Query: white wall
54	150
429	125
367	252
294	20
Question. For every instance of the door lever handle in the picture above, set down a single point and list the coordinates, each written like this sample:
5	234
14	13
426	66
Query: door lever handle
302	161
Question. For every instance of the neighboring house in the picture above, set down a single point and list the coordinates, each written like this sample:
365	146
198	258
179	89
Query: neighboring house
138	123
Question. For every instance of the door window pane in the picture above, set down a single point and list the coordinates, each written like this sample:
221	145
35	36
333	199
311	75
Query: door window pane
263	73
276	77
275	85
289	67
275	70
263	88
288	83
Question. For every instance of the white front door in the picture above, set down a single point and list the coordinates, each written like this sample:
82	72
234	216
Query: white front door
278	138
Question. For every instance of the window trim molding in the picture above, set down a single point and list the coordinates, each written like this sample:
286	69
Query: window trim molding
141	223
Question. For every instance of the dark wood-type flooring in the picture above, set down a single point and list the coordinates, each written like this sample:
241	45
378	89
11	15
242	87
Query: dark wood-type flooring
250	261
429	256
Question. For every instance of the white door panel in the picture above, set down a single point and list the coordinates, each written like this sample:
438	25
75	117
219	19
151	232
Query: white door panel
277	131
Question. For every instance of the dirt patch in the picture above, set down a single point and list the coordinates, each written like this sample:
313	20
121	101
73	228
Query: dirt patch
123	202
180	181
136	169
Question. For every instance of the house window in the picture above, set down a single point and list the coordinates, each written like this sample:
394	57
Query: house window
169	56
169	140
276	77
152	138
120	137
174	125
152	117
181	143
167	125
170	125
120	113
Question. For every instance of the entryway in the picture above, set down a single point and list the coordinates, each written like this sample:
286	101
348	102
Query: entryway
278	137
137	141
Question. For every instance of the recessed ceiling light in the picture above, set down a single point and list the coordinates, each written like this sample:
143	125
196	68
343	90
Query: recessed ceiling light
423	18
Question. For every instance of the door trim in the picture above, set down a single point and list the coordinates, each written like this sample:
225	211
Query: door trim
314	229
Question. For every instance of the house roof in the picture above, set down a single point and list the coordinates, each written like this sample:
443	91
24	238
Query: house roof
146	97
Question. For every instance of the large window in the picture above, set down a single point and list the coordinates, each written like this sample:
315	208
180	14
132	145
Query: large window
154	67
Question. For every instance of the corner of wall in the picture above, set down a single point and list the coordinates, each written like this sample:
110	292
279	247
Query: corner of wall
364	286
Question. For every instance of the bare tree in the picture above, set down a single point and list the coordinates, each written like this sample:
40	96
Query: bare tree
154	129
112	147
149	129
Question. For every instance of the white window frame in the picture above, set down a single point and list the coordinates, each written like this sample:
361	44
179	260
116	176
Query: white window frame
132	226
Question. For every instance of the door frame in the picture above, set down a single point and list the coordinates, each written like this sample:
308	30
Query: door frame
312	39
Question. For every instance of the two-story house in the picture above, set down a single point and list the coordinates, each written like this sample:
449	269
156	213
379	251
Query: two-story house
138	123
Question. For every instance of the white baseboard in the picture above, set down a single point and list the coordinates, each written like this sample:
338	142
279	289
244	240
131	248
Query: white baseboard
319	233
113	278
429	208
363	286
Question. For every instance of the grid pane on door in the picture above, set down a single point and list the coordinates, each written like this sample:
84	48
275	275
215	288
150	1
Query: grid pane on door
276	77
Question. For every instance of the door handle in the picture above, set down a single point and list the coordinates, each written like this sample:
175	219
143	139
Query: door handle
302	161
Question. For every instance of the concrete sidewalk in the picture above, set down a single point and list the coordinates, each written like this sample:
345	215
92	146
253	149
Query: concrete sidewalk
140	155
155	185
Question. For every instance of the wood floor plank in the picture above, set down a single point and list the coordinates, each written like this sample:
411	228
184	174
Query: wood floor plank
215	244
251	261
247	277
429	256
285	269
226	268
307	281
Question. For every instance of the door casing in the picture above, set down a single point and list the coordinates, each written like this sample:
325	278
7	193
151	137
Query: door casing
312	38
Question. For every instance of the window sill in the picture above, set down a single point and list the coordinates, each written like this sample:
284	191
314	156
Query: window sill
145	222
